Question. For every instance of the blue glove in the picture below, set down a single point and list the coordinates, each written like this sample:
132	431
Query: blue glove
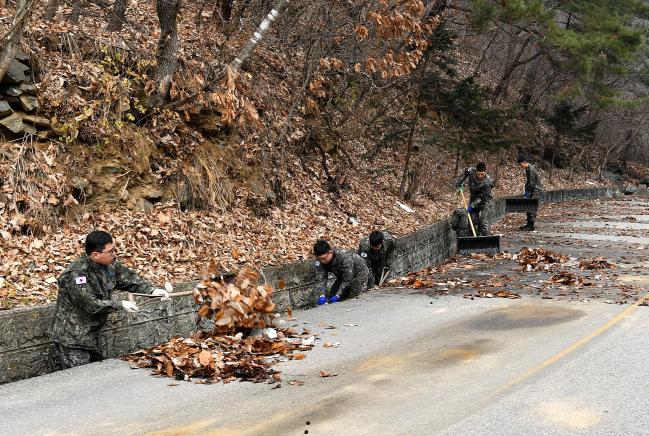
526	195
334	299
469	209
322	300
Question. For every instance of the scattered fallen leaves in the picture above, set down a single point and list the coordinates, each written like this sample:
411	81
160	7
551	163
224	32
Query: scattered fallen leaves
534	259
499	294
328	374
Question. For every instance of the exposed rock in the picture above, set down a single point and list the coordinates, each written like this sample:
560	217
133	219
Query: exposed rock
16	73
630	189
645	181
34	119
29	103
5	109
22	57
30	129
27	87
13	91
13	123
153	195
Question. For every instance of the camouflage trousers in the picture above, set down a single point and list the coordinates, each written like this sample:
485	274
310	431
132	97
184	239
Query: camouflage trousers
62	357
481	223
356	287
531	216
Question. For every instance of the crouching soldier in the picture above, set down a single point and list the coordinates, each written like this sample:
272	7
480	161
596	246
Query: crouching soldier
481	201
460	223
85	300
348	267
377	249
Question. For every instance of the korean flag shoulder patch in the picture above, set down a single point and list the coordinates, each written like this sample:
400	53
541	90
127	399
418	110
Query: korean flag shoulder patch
317	263
80	280
363	254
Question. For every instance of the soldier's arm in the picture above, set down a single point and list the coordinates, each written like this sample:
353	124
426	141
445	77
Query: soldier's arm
362	252
80	293
129	280
321	279
390	245
534	179
346	272
463	178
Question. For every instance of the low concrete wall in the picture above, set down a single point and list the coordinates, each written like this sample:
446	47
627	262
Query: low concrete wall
24	332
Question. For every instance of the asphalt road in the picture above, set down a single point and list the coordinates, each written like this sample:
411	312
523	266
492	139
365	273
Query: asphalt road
410	361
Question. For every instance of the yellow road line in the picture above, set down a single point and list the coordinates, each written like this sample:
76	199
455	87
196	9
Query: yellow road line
578	344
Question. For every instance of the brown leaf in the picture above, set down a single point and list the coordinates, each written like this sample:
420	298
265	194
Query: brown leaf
205	357
298	356
328	374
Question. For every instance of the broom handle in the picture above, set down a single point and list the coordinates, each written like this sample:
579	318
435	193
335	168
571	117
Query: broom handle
172	295
466	206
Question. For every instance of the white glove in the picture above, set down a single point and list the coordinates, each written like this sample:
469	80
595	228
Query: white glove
129	307
159	292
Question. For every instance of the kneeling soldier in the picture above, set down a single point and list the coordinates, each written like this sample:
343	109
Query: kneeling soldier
377	249
348	267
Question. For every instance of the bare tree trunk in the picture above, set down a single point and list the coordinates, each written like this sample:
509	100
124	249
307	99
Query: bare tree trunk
226	9
11	41
117	16
259	34
509	70
167	56
406	165
51	8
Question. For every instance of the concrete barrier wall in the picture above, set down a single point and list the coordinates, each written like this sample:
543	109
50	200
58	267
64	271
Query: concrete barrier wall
24	332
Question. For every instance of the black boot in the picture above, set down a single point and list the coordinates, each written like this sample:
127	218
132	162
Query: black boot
527	227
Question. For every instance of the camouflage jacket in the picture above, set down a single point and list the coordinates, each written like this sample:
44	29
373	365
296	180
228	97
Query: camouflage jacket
346	266
85	300
480	189
376	260
533	183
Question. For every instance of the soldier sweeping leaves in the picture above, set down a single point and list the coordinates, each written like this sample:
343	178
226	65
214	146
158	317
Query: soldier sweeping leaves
480	202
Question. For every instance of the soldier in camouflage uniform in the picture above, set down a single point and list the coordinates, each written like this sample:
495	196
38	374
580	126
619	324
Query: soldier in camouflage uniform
377	249
533	189
85	300
348	267
481	201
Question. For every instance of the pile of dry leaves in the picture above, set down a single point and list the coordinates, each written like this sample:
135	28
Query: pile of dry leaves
596	263
238	348
569	279
535	259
